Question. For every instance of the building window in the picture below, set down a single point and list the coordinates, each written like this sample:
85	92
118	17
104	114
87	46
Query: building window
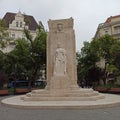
13	35
117	29
16	24
20	24
106	32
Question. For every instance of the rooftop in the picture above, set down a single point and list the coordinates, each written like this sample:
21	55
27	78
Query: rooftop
9	17
111	17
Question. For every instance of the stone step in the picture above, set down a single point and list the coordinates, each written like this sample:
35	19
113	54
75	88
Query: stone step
63	94
91	98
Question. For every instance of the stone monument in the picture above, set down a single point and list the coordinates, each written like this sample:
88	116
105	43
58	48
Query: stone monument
61	67
61	55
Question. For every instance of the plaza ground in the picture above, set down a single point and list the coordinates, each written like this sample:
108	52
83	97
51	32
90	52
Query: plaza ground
8	113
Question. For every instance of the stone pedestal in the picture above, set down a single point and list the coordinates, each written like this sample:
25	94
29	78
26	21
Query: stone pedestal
59	83
61	67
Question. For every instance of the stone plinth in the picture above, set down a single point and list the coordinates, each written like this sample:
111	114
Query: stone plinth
63	95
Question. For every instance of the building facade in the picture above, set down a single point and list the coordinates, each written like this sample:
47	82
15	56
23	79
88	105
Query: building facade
111	27
16	23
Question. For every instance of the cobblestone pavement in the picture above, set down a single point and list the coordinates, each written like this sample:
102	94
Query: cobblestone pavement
7	113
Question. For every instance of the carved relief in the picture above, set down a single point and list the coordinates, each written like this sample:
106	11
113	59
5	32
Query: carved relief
60	27
60	61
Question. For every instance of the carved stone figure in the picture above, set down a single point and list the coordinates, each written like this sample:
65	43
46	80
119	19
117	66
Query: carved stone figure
60	61
59	27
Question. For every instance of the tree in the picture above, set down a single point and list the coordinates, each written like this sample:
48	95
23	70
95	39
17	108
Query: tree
1	61
4	41
4	35
86	60
37	51
106	47
18	59
3	79
28	56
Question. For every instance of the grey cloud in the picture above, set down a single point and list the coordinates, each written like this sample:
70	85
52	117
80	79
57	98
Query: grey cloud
87	14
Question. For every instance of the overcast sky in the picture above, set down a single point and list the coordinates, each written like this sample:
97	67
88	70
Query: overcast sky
87	14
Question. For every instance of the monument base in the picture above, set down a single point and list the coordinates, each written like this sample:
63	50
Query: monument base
61	89
16	102
63	95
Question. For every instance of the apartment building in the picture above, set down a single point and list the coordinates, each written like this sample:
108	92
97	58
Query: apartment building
15	23
111	26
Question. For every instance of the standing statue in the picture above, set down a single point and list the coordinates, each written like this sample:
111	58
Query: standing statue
60	61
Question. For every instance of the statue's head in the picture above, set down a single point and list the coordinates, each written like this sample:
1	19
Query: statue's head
59	27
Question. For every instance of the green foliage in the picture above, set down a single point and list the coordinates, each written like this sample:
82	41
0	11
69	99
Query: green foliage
3	79
112	69
1	60
86	60
106	47
37	48
28	57
4	36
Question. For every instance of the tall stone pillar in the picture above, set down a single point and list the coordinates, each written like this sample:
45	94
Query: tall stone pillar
61	55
